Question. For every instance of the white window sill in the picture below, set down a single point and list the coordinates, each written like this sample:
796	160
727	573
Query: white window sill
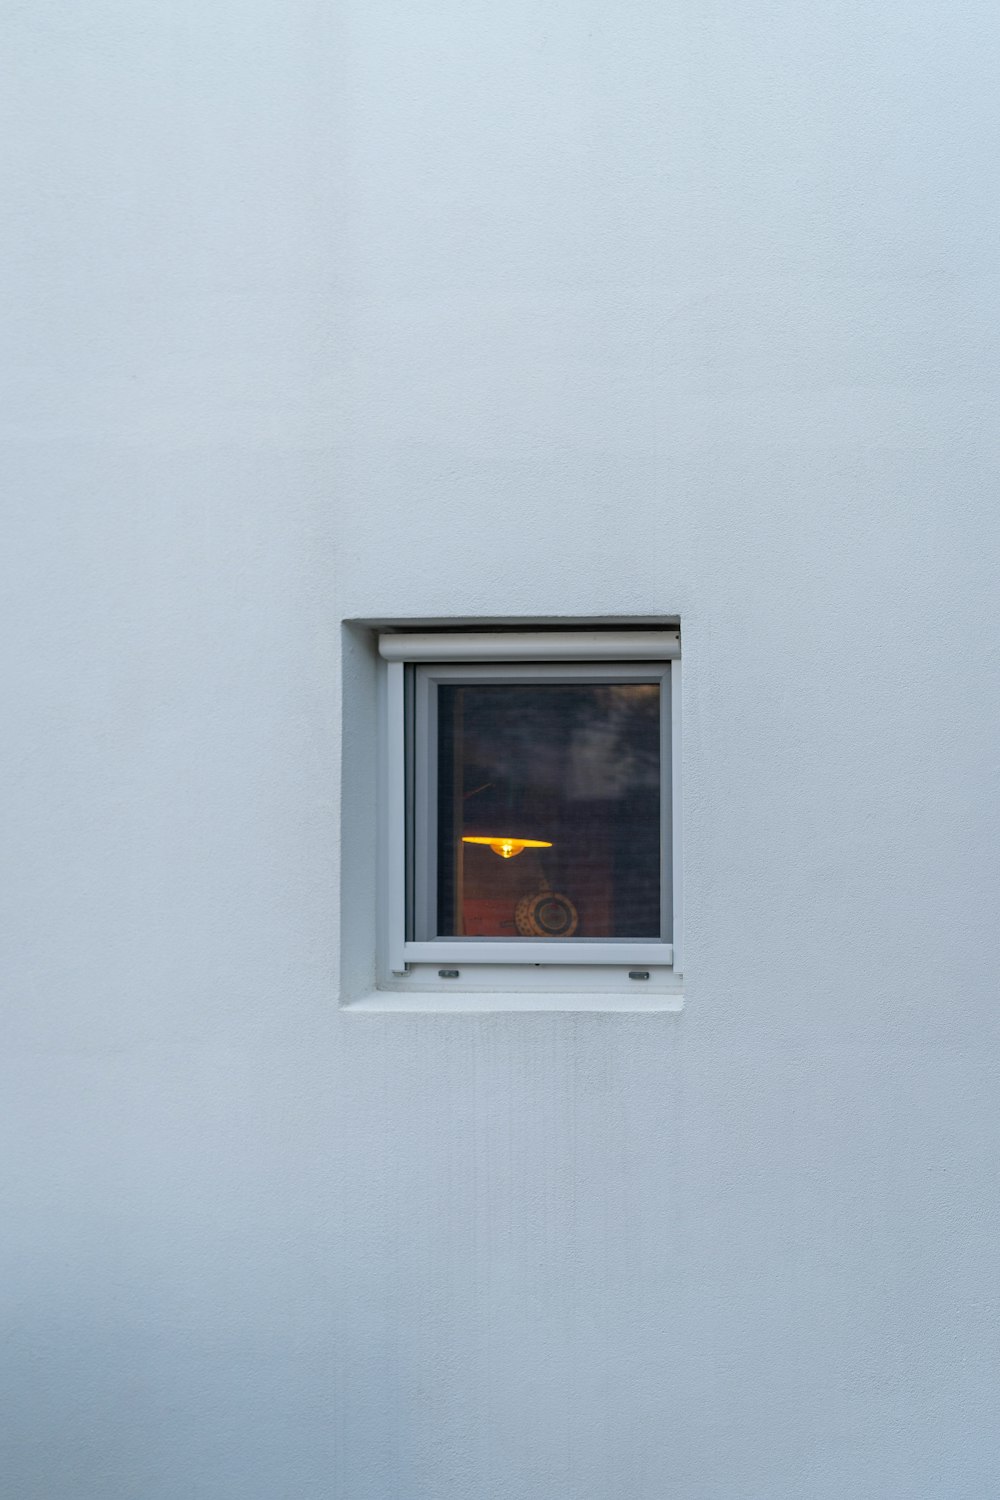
487	1002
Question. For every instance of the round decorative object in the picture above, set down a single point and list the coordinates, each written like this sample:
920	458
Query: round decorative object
546	914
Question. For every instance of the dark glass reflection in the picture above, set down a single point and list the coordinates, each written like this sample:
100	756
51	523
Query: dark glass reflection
573	767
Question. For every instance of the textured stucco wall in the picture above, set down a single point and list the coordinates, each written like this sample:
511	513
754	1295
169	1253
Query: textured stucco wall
323	311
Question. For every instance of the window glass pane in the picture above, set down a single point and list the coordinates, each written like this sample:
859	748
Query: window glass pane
549	810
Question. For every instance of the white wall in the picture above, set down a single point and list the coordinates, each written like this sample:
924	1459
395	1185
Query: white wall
537	308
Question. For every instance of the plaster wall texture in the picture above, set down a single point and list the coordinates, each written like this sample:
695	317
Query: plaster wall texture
321	312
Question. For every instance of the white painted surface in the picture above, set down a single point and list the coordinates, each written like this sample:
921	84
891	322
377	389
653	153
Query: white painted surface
455	310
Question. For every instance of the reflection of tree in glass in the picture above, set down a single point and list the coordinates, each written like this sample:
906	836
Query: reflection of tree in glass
590	742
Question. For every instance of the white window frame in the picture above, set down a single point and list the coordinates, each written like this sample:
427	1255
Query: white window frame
537	656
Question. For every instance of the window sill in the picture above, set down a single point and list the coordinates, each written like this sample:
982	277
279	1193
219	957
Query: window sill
493	1002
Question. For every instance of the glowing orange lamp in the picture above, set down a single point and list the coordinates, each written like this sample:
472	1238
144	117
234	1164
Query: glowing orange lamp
504	846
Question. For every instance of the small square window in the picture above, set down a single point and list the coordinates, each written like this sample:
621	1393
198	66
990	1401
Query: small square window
531	820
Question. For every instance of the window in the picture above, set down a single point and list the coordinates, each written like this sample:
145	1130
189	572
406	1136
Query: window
532	834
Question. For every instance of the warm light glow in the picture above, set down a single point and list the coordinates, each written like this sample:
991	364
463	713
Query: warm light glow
506	847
